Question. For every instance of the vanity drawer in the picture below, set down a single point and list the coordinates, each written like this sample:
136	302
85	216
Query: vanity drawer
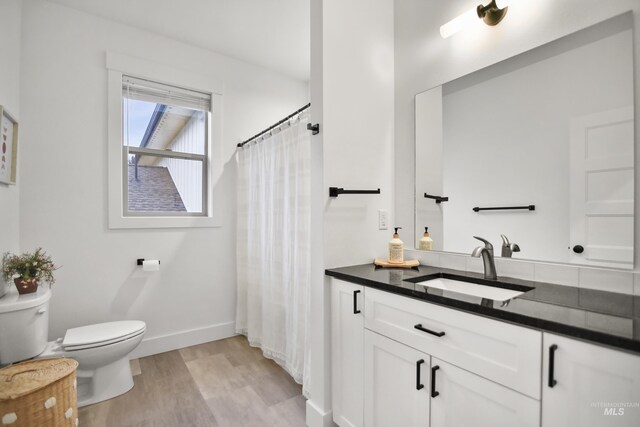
507	354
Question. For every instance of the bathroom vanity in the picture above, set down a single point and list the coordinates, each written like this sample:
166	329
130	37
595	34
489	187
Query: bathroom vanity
406	353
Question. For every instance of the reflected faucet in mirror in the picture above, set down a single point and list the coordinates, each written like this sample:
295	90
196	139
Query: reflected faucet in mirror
508	248
486	252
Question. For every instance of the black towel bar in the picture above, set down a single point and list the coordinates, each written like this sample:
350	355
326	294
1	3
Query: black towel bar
335	191
438	199
501	208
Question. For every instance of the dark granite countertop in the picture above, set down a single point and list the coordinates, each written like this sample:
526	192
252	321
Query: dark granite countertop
606	318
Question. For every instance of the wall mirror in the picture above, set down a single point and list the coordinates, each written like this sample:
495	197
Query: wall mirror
538	148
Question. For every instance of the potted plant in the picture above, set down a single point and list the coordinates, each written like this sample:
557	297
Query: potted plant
28	270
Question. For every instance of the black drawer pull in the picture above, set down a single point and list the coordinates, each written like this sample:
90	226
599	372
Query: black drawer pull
420	328
552	357
419	386
355	302
434	393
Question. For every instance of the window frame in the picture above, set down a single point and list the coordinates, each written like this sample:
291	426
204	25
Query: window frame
119	215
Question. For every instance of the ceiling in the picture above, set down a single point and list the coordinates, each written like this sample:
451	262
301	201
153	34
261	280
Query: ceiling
272	33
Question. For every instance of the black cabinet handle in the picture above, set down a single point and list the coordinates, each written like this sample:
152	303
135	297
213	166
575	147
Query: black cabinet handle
419	386
578	249
434	393
552	354
355	302
420	328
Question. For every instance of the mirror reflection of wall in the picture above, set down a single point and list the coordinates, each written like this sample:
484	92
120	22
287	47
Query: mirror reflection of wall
552	127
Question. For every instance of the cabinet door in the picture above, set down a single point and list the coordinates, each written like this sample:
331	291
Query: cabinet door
588	385
347	347
396	383
465	399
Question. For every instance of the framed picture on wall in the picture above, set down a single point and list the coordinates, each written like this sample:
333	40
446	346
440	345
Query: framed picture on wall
8	147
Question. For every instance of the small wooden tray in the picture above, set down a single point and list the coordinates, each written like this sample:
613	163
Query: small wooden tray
407	264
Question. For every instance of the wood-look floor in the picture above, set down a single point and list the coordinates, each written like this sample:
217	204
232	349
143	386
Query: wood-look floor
221	383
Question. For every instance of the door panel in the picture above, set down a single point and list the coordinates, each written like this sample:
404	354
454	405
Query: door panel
465	399
347	340
602	188
391	386
591	385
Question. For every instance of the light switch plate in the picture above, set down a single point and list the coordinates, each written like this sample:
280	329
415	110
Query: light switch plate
383	219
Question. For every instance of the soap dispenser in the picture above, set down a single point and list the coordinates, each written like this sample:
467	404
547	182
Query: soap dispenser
396	248
426	243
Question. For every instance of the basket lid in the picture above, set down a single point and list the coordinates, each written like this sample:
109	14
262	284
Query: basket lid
26	377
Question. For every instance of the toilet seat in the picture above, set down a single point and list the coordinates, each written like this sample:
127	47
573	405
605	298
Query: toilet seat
101	334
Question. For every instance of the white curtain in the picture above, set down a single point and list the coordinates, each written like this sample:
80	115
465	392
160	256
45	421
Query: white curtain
273	246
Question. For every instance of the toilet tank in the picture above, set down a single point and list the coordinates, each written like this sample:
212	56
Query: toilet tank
24	323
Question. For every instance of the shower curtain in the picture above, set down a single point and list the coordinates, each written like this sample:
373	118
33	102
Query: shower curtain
273	246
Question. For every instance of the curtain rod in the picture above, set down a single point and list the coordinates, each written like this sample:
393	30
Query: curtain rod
274	125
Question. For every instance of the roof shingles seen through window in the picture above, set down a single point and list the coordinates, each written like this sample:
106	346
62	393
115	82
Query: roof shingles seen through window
153	190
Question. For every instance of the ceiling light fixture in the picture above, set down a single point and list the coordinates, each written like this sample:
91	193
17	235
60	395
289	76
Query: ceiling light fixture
491	14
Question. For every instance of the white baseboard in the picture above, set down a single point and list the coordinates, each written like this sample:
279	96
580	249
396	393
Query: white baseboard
317	417
163	343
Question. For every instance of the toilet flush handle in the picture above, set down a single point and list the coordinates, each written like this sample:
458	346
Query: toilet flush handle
42	311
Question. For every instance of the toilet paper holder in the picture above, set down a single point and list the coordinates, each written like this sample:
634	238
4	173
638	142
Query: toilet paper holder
139	261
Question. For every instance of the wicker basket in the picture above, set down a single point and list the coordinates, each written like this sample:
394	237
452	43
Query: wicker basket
39	393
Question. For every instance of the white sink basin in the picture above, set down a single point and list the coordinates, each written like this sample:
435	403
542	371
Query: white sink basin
473	289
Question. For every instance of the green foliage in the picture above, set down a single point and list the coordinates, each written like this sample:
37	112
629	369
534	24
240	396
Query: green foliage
32	265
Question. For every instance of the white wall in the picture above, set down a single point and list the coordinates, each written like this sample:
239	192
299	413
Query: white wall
358	128
10	18
356	81
64	187
318	407
424	60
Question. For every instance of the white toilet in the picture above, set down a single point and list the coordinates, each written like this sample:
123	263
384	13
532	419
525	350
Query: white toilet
101	350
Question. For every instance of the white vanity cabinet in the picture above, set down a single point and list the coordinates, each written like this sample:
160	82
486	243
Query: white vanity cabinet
396	383
483	372
507	354
384	347
399	361
347	353
588	385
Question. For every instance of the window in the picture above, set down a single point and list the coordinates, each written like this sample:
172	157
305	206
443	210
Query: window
164	143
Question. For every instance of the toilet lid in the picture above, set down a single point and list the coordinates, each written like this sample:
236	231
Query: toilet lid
102	334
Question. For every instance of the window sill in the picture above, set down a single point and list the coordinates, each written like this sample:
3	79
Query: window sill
121	222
